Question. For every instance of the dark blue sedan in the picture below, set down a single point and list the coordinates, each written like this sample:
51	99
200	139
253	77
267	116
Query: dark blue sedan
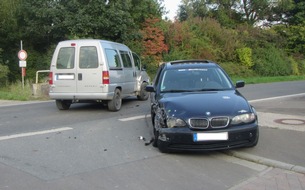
195	106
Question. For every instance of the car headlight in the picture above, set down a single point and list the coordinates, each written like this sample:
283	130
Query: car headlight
244	118
173	122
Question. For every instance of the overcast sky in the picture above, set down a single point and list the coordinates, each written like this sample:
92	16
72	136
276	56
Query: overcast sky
172	7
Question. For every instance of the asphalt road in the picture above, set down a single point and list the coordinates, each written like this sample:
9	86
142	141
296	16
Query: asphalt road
88	147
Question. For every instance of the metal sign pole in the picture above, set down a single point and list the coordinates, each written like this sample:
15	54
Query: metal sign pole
22	75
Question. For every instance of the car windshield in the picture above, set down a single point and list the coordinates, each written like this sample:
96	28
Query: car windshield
198	79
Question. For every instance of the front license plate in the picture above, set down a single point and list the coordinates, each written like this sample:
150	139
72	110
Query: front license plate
210	136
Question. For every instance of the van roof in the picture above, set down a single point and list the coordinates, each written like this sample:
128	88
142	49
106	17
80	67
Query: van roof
88	41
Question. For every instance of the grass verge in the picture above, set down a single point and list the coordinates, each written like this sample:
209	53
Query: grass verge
16	91
256	80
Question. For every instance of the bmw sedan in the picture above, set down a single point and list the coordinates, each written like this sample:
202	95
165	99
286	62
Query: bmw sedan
195	106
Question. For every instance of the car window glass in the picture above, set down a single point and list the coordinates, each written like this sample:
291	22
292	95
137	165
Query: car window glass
194	79
222	78
88	57
137	61
113	59
126	59
65	59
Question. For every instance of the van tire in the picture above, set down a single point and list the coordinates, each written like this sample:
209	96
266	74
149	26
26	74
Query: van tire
143	93
63	104
116	102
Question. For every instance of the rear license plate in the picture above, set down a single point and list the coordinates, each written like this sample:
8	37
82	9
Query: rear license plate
210	136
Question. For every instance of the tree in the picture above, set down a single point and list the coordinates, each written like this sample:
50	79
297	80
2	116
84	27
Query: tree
192	8
153	40
41	24
3	71
296	14
232	12
294	29
8	21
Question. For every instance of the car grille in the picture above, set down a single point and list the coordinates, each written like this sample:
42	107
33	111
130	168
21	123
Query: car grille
219	122
199	123
204	123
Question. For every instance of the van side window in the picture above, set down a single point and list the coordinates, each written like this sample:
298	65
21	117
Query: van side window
88	57
113	59
65	59
137	61
126	59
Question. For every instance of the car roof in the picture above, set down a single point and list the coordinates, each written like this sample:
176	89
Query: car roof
193	63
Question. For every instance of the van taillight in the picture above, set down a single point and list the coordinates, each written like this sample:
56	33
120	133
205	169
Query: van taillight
51	78
105	77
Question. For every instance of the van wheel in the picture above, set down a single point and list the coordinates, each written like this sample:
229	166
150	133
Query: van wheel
63	104
116	102
143	93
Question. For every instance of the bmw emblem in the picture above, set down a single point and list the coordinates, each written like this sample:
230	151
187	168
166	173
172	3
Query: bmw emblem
208	113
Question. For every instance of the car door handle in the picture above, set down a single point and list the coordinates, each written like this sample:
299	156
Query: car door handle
80	76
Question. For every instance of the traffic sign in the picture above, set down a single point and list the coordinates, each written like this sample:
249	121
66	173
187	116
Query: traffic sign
22	63
22	55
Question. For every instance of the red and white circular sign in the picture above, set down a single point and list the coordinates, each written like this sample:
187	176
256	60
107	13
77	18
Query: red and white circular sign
22	55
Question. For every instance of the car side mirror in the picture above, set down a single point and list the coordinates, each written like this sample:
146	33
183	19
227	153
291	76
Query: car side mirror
150	88
240	84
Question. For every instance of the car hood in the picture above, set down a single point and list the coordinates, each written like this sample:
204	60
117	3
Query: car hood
204	104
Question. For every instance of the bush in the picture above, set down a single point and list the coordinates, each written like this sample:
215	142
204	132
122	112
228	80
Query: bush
237	70
4	71
3	75
294	66
245	56
301	67
270	61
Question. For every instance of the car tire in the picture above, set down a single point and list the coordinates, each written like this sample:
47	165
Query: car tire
116	102
63	104
143	93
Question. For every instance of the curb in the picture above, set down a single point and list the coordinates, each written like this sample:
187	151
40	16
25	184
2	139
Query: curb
266	161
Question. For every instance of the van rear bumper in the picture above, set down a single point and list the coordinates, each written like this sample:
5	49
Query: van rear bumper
81	96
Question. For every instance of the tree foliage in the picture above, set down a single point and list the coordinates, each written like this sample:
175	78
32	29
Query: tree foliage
232	12
227	31
41	24
3	71
153	42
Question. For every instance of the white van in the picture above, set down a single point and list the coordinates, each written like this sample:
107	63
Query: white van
95	70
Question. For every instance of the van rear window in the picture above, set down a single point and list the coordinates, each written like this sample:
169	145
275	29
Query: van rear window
88	57
65	59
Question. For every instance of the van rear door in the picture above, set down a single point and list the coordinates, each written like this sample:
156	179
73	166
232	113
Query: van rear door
77	69
89	76
64	71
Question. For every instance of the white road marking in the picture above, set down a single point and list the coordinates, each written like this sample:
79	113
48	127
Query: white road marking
34	133
277	97
134	118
